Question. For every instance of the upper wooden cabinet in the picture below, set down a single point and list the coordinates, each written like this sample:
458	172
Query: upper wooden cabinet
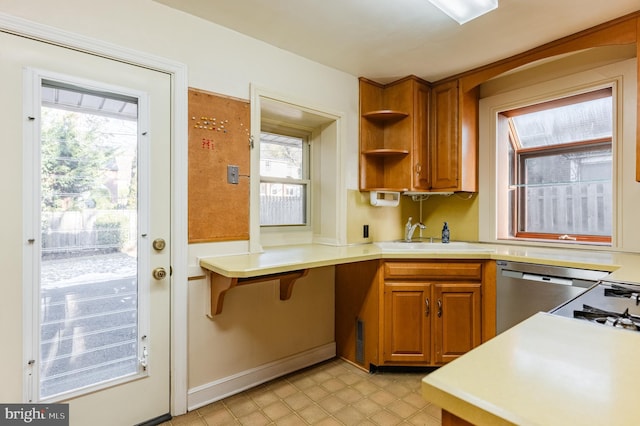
453	138
417	138
444	136
393	135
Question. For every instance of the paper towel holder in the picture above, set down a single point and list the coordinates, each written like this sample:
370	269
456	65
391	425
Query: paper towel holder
384	198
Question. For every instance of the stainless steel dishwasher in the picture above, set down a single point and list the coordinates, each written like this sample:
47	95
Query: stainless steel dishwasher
523	289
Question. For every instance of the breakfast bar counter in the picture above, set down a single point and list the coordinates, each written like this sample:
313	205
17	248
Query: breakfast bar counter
547	370
289	258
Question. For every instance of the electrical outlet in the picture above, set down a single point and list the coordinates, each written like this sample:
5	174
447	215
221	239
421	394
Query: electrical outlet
365	231
232	174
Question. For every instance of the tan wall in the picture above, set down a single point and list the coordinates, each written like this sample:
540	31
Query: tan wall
385	223
256	327
460	211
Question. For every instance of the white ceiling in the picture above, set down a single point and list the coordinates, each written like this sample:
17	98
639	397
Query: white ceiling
387	39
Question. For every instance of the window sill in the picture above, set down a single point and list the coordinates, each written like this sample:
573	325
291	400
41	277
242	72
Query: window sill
553	242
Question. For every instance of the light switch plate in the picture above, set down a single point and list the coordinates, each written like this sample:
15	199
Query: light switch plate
232	174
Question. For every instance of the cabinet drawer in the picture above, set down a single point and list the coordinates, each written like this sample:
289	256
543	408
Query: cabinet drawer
434	270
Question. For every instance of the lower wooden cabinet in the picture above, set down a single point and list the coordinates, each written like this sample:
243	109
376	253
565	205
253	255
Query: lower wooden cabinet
427	323
419	313
406	331
457	320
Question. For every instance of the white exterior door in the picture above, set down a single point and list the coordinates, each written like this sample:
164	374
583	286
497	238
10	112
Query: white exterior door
96	176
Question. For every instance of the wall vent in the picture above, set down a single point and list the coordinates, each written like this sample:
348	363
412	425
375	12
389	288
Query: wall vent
359	341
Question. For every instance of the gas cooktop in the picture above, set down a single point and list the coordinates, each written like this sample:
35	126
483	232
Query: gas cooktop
613	304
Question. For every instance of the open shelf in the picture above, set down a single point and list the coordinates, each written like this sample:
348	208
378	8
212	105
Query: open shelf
385	115
393	133
385	152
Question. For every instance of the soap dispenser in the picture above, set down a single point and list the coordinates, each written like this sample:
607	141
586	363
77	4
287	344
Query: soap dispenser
445	233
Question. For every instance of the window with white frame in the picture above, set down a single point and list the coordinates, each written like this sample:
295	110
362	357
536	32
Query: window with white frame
559	157
284	178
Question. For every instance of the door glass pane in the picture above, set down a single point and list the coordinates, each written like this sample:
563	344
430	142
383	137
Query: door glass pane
88	271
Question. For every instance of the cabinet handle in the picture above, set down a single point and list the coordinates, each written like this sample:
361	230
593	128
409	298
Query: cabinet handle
439	308
427	309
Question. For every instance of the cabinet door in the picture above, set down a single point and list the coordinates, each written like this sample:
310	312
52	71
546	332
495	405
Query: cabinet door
445	141
457	325
407	329
421	169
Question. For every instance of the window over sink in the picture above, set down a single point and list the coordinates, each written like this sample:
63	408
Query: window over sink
556	160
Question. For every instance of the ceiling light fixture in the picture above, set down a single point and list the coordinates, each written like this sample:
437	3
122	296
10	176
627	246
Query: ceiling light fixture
465	10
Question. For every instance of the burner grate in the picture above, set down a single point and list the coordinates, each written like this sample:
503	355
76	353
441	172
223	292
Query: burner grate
613	319
624	292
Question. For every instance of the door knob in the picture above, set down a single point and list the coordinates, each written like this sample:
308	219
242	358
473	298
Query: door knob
159	244
159	273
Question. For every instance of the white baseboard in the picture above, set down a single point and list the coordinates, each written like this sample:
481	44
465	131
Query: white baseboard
222	388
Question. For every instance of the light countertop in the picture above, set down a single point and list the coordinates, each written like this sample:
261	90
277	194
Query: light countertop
548	370
288	258
624	266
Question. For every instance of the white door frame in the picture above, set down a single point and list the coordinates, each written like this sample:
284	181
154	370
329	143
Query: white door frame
179	163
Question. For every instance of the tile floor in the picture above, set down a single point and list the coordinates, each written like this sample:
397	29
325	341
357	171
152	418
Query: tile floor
331	393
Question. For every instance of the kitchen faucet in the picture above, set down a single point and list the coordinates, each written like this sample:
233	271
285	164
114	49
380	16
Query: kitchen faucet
409	229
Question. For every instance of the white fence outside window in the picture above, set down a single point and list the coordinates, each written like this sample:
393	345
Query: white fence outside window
579	208
282	210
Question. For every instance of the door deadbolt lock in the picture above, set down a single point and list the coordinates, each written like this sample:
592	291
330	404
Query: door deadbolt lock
159	244
159	273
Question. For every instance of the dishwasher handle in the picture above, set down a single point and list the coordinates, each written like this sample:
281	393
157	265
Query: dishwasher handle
547	279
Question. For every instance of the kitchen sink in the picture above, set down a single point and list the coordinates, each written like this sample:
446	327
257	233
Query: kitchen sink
436	247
